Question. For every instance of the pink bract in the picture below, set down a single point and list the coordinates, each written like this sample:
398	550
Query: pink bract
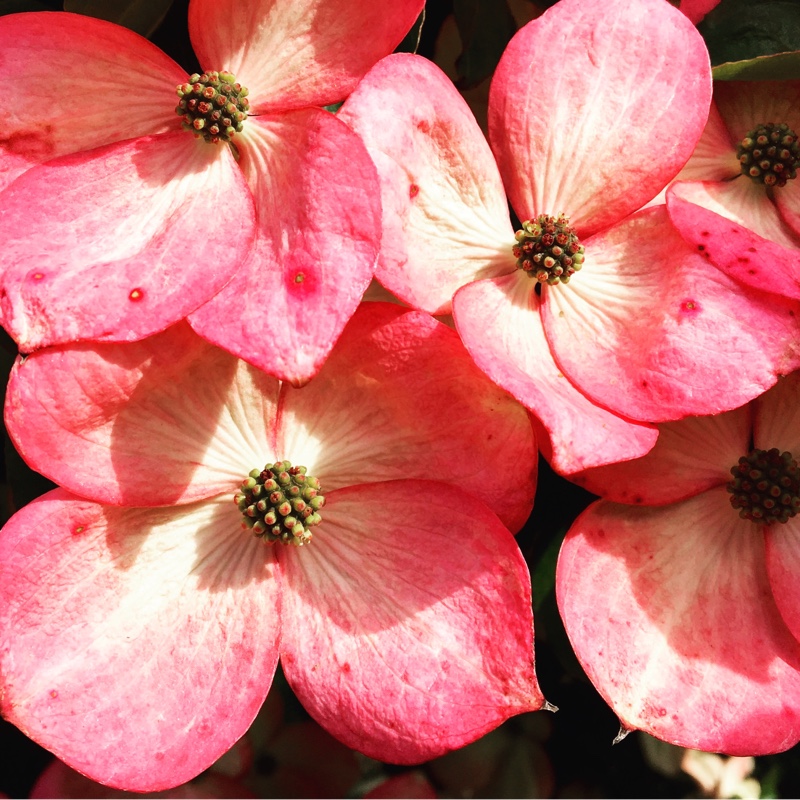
750	231
684	614
116	223
585	120
412	595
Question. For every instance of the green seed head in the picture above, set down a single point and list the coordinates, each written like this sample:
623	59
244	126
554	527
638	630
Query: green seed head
280	503
770	154
548	249
212	105
766	486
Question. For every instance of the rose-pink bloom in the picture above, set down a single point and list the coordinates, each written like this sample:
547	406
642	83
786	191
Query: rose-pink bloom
594	107
117	223
747	228
683	613
137	643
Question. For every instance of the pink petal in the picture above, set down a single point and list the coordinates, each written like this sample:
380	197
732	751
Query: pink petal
745	105
102	62
670	613
445	215
697	9
739	229
318	236
401	398
690	456
591	121
649	330
167	420
499	322
297	53
777	416
787	200
783	565
398	661
137	644
120	243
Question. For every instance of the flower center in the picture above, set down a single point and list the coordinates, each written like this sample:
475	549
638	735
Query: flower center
280	503
766	486
212	105
769	154
548	249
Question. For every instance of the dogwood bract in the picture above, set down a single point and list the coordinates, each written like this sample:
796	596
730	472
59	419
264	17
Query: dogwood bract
679	589
117	223
137	643
593	108
737	200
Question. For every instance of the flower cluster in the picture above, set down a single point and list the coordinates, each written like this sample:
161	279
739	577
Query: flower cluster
255	465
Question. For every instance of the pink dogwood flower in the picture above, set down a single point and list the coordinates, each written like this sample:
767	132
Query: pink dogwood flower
737	200
593	108
140	626
117	222
679	589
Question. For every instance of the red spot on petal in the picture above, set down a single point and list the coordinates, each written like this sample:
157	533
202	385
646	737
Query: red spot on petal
34	142
413	191
743	259
345	667
690	306
136	295
638	499
54	694
37	276
704	233
701	247
752	250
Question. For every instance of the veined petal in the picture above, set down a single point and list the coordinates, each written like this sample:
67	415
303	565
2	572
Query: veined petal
498	321
690	456
121	85
653	332
136	644
407	634
120	243
401	398
777	417
672	617
170	419
745	105
783	567
740	231
589	121
445	215
787	200
318	235
297	53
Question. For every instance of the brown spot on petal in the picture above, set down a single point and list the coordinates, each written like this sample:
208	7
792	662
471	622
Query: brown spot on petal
701	247
136	295
37	143
37	276
690	306
78	530
54	694
413	190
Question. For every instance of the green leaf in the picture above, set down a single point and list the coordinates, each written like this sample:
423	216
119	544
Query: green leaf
778	67
485	27
142	16
741	30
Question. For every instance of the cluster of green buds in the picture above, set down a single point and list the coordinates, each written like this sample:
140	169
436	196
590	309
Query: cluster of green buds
213	105
766	486
770	154
280	503
548	249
